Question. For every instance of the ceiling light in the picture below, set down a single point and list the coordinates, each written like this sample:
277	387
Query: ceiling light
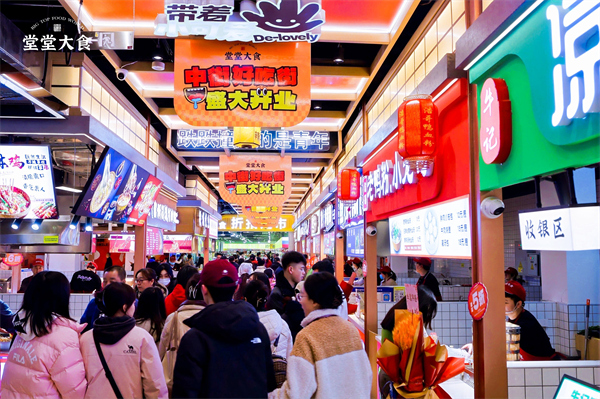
88	224
36	224
69	189
158	65
157	55
16	224
339	57
74	222
317	106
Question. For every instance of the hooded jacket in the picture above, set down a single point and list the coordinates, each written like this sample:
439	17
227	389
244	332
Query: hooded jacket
283	300
225	354
131	355
277	328
50	366
174	300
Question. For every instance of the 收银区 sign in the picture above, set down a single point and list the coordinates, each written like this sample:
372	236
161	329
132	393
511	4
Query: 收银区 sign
274	140
241	223
279	21
269	86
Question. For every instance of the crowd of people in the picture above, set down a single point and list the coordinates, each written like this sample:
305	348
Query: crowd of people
287	335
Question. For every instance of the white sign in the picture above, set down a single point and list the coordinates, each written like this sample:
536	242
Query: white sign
203	219
576	83
315	219
162	213
561	229
352	215
328	217
441	230
213	229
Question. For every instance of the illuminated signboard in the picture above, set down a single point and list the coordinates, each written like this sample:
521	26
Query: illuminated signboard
241	223
213	229
355	241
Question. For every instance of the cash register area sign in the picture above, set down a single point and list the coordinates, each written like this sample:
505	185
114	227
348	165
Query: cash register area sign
441	231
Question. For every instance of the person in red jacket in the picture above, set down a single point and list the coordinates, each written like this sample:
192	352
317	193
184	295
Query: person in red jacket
177	297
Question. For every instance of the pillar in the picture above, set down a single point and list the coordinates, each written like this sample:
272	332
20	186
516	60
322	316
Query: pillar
206	249
139	261
339	246
370	300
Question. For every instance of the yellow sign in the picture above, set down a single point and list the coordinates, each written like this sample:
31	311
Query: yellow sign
241	223
50	239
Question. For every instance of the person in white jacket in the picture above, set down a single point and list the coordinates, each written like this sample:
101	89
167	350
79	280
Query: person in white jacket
256	294
175	328
130	352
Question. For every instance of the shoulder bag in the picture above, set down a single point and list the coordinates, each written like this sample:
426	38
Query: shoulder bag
109	375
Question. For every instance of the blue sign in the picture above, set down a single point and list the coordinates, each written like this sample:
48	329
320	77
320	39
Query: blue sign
272	140
355	241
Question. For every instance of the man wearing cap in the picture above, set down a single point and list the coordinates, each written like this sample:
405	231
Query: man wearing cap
36	267
423	266
535	344
86	281
510	274
227	351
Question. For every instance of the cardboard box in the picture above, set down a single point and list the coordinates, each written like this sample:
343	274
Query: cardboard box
593	351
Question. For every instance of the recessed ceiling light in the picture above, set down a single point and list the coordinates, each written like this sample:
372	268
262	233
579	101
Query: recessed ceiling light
339	57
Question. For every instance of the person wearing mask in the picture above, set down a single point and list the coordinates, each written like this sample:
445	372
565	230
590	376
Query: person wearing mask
129	352
45	358
86	281
115	274
423	266
146	278
150	313
283	296
256	294
226	337
177	297
175	328
109	262
165	277
388	277
535	344
357	266
319	364
36	267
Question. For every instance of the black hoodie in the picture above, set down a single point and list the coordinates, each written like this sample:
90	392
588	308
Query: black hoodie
225	354
282	299
110	330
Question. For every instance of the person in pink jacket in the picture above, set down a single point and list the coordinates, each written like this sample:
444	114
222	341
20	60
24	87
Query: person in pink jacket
45	360
130	352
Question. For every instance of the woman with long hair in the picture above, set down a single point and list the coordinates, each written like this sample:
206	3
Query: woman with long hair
146	278
45	359
239	293
121	359
165	276
150	313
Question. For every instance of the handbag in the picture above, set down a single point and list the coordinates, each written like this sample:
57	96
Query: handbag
279	366
107	372
168	362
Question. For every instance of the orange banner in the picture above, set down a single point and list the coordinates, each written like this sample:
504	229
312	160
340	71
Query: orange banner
241	84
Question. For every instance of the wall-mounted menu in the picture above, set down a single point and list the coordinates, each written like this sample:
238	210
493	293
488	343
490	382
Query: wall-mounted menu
441	231
118	190
355	241
26	182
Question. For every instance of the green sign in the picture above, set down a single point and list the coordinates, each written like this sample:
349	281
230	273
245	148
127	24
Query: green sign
50	239
550	65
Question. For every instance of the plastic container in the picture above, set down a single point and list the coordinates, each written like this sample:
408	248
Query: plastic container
513	341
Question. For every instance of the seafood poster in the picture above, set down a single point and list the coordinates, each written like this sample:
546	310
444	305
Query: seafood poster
26	183
441	230
118	190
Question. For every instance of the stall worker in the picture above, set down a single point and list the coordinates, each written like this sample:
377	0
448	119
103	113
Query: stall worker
388	277
38	266
510	274
423	266
535	344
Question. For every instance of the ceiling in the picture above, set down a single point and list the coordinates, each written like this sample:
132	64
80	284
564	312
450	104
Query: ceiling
368	31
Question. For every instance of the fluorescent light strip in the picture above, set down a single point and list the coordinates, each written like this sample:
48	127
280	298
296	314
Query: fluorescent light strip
503	34
17	88
70	189
445	89
380	148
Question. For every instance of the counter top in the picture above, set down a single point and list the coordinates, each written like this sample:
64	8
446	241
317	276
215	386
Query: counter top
553	364
357	322
458	389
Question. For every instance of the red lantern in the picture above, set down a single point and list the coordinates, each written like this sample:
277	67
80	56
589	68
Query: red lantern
418	133
348	185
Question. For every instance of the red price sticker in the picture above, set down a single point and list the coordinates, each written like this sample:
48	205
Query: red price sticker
478	301
13	260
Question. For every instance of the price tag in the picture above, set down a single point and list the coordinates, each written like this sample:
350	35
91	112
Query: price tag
412	298
478	301
13	260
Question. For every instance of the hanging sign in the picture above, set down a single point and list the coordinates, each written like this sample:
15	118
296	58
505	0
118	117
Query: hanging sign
13	260
270	86
328	217
177	243
315	219
495	135
478	301
270	21
163	216
350	214
213	229
272	140
241	223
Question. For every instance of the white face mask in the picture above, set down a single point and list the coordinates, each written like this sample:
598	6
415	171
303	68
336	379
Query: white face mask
165	281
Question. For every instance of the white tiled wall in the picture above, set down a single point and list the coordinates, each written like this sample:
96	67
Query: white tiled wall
77	303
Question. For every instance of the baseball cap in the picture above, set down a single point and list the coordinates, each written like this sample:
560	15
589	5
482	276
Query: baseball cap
215	270
385	269
38	262
512	271
356	261
423	261
514	288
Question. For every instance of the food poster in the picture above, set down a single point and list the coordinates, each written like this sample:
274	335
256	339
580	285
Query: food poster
441	230
122	204
329	243
177	244
26	183
145	201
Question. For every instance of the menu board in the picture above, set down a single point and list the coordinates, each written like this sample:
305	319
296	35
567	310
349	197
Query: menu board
154	241
441	230
177	244
26	183
329	243
117	188
355	241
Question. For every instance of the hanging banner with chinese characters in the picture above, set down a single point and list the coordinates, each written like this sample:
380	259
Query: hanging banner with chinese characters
241	223
495	135
26	183
262	216
241	84
269	21
561	229
270	140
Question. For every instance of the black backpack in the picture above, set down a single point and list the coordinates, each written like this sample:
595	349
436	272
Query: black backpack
279	366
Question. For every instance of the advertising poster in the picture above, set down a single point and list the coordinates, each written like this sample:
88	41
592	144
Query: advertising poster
145	201
241	84
121	243
355	241
329	243
441	230
177	244
26	183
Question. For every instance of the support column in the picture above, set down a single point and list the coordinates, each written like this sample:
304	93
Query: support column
339	246
139	261
321	246
206	249
370	300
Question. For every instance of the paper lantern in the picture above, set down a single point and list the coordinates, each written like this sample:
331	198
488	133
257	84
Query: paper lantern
246	137
418	133
348	185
